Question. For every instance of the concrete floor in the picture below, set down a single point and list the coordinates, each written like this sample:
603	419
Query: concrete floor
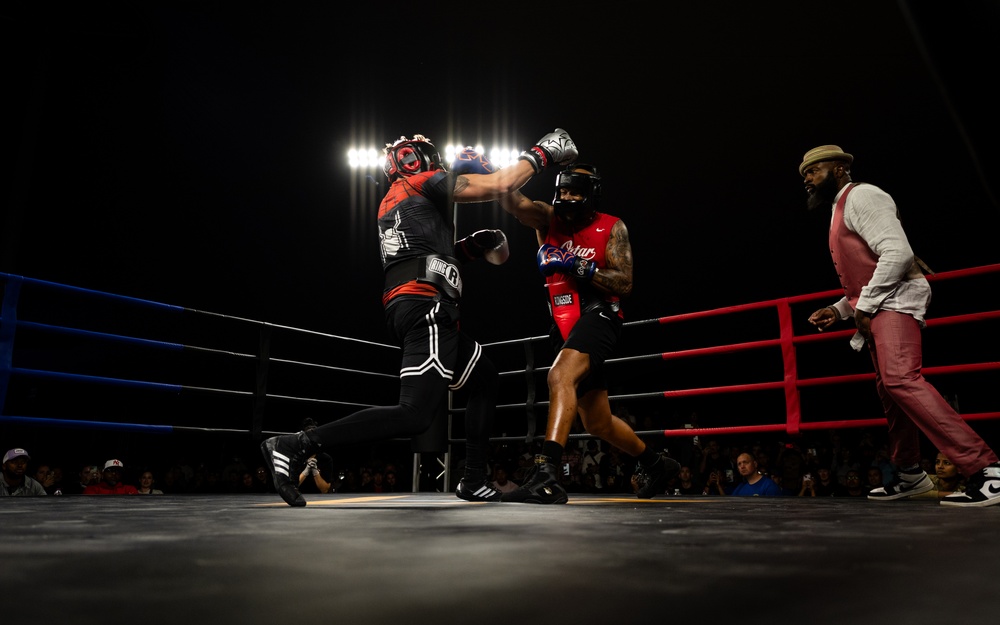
431	558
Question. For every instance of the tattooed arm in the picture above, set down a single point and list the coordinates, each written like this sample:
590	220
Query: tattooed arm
615	278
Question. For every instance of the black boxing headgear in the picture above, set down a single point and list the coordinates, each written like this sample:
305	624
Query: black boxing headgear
406	157
586	183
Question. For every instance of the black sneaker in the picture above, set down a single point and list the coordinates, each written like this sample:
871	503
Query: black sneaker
982	489
653	480
543	487
281	454
903	485
477	491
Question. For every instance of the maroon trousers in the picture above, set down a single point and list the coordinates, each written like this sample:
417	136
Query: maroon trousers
912	405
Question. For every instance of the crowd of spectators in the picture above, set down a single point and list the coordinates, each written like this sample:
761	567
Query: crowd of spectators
839	463
831	463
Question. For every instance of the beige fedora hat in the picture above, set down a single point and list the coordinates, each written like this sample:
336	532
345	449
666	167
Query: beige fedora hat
824	153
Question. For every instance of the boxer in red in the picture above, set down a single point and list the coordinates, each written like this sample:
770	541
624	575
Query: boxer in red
586	258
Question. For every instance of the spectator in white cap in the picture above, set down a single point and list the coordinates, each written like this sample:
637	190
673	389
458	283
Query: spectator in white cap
13	481
111	481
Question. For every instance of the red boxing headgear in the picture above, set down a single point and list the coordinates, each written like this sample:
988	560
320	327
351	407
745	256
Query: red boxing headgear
406	157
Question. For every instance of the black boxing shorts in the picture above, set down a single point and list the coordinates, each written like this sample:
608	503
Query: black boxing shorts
596	333
428	331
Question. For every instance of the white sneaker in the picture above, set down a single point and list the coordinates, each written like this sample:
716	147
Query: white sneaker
982	490
903	485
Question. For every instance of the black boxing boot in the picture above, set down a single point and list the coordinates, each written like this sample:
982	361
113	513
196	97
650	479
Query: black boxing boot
542	485
281	454
653	479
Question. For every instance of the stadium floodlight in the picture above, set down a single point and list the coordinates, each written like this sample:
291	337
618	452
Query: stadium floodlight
372	158
500	157
365	159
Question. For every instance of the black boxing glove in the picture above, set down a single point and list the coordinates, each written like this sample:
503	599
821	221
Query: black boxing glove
489	244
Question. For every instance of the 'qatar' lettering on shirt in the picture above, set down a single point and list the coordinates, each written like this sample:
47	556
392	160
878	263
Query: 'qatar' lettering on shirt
582	252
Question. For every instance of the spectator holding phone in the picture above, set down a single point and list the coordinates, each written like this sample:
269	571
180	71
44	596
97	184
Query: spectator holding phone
714	485
719	482
713	459
823	484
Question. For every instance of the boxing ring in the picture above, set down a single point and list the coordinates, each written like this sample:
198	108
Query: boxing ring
87	360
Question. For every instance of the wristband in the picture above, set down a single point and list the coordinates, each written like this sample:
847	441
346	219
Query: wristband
584	269
536	156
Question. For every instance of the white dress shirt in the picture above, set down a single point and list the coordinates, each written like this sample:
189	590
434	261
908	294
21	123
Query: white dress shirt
871	213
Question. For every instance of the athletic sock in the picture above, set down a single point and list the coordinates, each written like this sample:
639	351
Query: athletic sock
475	462
553	450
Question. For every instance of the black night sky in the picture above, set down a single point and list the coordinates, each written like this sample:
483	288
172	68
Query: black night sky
194	153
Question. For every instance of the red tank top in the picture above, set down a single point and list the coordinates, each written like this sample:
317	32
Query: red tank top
591	243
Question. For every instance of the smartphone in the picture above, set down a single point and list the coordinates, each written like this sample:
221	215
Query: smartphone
566	469
729	475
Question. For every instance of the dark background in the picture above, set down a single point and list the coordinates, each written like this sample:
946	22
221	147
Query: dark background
195	154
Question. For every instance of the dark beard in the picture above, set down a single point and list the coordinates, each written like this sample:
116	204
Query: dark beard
823	194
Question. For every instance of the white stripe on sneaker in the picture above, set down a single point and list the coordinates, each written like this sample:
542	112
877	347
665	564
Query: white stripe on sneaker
280	462
484	491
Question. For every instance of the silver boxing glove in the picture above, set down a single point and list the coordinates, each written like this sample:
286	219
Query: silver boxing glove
556	147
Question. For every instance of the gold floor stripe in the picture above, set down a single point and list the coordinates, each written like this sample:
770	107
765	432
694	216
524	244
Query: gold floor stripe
441	499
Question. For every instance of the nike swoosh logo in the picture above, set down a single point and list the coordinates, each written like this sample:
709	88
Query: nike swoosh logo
609	319
994	489
600	229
